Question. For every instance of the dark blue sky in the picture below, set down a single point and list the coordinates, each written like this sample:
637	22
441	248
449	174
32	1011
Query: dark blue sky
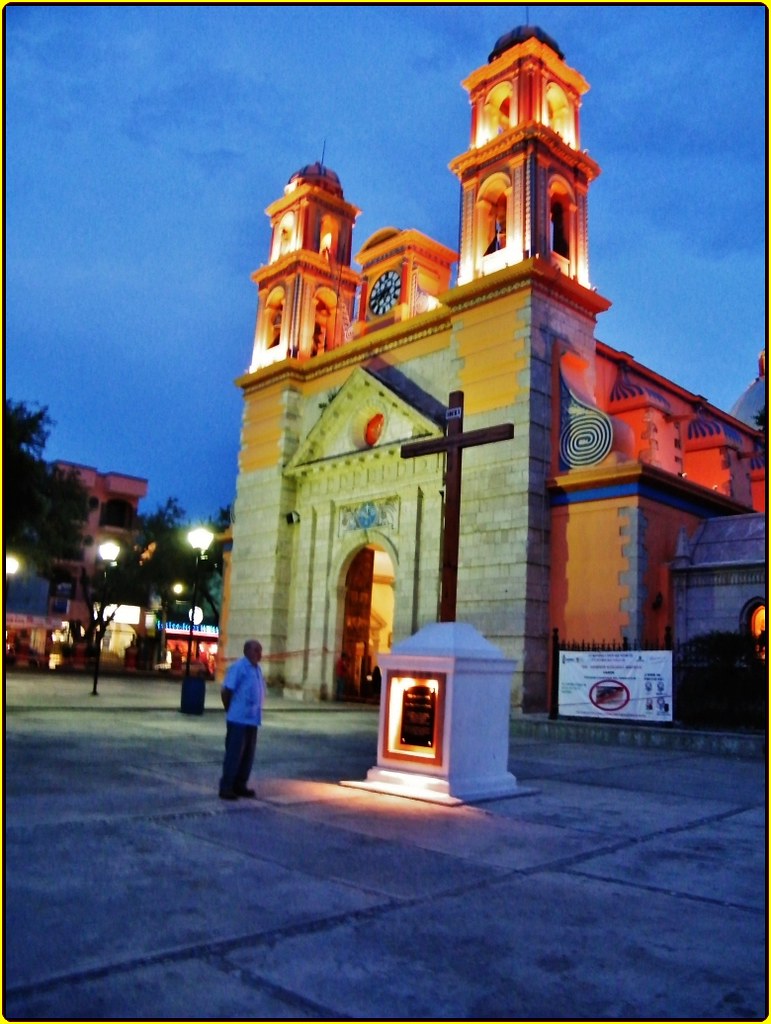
144	143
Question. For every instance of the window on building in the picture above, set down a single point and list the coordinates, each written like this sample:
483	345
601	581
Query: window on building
757	625
492	217
560	115
118	513
320	327
559	236
498	110
274	315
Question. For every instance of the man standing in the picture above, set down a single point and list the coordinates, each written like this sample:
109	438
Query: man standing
243	692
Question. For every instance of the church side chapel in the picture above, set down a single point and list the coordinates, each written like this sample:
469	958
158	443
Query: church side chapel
572	524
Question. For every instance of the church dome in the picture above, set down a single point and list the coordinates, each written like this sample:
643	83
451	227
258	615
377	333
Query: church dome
753	400
318	174
383	235
520	35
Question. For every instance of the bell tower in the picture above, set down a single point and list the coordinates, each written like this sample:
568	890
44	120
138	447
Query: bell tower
524	178
306	291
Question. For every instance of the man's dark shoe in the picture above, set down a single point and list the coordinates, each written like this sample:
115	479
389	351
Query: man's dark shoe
228	794
249	794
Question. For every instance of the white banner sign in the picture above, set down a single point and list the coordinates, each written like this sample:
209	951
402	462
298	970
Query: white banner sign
625	685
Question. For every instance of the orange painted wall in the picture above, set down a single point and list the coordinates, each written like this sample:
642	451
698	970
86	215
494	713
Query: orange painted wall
590	568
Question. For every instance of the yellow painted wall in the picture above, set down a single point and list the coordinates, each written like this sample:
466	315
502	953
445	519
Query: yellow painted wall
261	429
492	352
587	563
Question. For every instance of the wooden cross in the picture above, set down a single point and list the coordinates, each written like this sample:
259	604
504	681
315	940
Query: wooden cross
453	443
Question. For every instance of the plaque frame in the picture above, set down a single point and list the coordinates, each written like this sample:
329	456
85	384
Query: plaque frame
398	683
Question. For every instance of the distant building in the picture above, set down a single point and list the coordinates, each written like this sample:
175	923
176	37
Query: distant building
719	578
752	402
573	525
60	609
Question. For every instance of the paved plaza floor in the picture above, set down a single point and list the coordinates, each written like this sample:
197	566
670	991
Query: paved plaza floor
627	883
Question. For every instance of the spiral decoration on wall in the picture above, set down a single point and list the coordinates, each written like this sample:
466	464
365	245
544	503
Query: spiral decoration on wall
586	433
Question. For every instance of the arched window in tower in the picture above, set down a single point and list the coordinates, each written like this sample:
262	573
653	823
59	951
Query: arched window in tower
559	228
321	323
497	110
559	113
328	239
492	216
274	315
497	226
283	237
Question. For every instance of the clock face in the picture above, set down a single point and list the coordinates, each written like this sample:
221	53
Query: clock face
385	292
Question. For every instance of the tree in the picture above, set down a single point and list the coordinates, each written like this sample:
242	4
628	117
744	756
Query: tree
148	571
163	560
45	509
212	568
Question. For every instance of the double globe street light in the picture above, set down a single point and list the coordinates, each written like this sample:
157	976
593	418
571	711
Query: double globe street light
194	688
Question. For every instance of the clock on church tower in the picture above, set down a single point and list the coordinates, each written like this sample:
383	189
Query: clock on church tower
403	273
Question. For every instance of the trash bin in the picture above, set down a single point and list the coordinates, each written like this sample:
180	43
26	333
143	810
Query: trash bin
193	695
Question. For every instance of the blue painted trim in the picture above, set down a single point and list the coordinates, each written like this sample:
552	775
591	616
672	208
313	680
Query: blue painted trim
637	489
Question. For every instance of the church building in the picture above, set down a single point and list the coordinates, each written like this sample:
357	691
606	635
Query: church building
571	524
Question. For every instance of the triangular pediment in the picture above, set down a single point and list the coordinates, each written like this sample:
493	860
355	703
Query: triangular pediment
377	410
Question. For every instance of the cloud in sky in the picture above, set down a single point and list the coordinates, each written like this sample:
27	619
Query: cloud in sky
144	143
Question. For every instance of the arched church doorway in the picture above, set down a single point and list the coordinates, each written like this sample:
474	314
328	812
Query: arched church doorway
368	619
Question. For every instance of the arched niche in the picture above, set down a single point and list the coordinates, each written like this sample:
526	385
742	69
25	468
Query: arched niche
284	240
498	109
561	220
324	327
274	317
492	215
329	233
559	113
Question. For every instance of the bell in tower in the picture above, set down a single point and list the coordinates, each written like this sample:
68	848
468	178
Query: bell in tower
524	178
306	290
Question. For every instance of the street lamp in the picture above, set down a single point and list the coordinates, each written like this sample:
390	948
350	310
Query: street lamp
194	690
12	566
108	552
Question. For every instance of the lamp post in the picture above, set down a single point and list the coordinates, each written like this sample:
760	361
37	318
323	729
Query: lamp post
12	566
108	552
194	689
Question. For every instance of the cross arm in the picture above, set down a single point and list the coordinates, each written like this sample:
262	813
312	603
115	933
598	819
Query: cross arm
433	445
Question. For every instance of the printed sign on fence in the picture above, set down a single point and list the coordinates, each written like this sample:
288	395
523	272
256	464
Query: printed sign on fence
625	685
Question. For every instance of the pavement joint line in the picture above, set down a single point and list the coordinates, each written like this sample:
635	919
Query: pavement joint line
565	863
220	948
676	893
285	995
207	950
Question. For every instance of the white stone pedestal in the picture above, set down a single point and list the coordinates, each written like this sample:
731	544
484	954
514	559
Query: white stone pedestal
443	732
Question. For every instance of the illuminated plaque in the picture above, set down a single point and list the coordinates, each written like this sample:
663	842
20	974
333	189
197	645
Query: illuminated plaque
414	716
418	716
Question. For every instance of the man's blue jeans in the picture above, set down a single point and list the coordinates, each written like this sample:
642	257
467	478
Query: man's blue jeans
240	745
